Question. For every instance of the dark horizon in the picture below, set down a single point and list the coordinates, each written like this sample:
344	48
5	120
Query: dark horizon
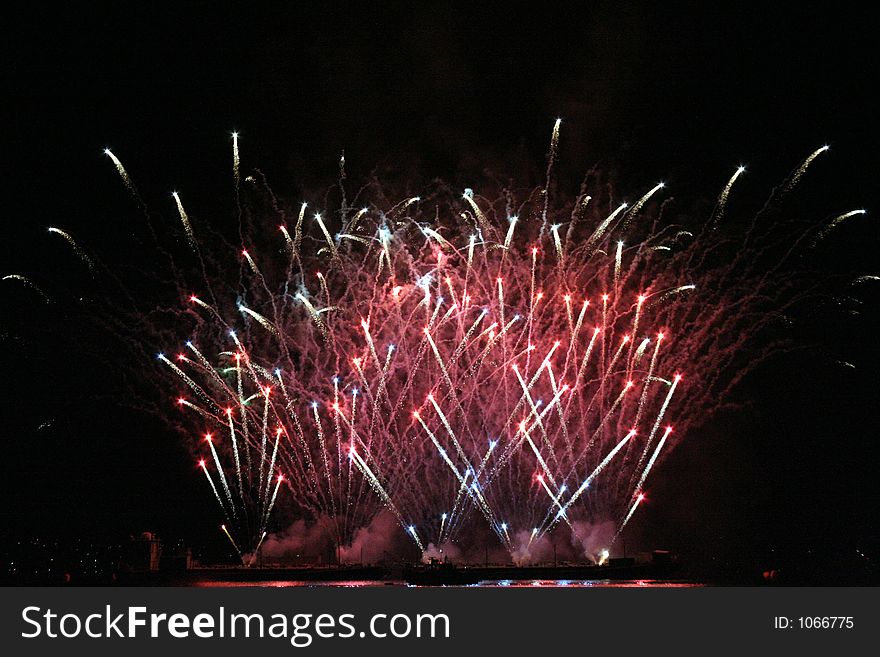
645	94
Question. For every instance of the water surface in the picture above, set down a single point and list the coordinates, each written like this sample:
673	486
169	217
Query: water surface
504	583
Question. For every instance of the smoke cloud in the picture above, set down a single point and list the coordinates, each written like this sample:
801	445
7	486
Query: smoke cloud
591	538
313	541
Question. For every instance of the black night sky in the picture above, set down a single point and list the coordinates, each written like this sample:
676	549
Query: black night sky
651	91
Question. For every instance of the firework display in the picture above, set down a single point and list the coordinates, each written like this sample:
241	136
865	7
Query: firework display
512	363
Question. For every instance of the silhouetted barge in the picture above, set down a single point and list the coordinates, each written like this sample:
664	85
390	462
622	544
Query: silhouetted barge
241	574
436	573
661	566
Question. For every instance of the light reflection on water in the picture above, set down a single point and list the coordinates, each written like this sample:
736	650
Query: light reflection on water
592	583
505	583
